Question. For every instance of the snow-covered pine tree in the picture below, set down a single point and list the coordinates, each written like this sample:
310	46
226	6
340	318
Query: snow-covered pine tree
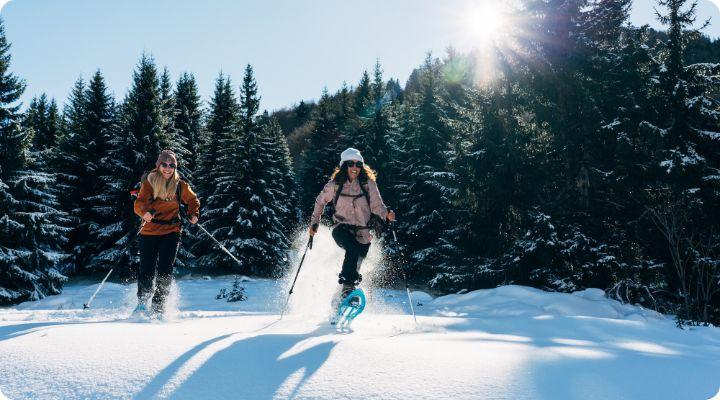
66	161
171	132
133	150
90	123
682	198
220	123
237	292
256	232
32	229
217	148
178	144
279	174
186	125
559	54
188	121
497	166
420	168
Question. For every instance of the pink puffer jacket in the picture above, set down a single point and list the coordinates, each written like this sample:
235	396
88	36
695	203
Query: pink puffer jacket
352	207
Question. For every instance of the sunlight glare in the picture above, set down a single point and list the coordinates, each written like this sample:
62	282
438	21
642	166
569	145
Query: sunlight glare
484	22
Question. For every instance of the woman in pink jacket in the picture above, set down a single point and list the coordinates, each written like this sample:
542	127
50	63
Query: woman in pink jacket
354	193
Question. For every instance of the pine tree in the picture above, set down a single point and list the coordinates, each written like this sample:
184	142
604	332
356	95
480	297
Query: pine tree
54	124
43	118
175	139
32	229
188	121
70	159
90	125
379	127
322	152
237	292
682	198
363	96
420	168
133	150
279	173
217	148
256	231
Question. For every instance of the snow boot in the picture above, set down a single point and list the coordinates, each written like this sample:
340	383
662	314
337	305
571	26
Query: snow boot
157	313
346	290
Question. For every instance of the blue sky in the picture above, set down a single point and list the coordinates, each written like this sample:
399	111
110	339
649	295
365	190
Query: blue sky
296	47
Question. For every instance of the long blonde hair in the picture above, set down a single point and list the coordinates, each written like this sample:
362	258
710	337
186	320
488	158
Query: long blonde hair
163	189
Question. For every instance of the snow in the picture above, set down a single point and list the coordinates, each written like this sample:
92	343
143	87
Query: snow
709	134
611	125
667	164
511	342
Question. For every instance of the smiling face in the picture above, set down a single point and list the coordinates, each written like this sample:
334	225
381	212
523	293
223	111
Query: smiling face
354	168
167	169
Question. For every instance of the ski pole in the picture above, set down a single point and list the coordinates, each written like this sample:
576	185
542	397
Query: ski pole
402	269
309	246
218	243
87	305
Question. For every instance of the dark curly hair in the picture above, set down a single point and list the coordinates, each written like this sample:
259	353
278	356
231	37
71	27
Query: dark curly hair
340	175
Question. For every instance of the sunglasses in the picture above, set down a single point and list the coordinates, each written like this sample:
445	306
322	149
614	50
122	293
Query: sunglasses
166	165
358	164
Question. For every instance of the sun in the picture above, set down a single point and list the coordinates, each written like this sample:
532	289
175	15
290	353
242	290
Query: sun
484	22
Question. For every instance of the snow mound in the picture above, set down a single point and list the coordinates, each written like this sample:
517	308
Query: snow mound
512	301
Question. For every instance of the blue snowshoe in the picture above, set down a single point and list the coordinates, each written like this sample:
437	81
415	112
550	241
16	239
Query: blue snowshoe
349	308
140	312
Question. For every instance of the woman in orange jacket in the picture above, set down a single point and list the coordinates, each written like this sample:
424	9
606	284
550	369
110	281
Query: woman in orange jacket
158	204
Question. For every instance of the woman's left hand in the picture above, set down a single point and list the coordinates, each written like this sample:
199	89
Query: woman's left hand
391	216
193	219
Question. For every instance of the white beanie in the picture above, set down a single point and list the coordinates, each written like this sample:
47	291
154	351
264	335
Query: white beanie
351	154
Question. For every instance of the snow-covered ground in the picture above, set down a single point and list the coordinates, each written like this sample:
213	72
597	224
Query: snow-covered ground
507	343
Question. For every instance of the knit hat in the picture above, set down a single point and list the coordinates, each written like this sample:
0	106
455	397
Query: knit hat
166	156
351	154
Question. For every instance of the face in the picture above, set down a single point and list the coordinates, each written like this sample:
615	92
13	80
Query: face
354	168
167	169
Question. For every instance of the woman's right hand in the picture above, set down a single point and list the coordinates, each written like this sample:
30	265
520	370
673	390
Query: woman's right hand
147	217
312	230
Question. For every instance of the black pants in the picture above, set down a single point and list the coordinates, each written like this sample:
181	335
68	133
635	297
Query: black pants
157	257
355	253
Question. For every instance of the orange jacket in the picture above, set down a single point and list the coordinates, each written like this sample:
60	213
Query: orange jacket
166	210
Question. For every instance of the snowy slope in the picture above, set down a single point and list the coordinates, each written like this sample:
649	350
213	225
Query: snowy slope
507	343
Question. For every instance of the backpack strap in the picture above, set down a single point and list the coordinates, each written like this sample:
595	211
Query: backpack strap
178	194
338	193
364	188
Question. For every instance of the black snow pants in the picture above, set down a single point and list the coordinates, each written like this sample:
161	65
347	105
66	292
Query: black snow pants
355	253
157	257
